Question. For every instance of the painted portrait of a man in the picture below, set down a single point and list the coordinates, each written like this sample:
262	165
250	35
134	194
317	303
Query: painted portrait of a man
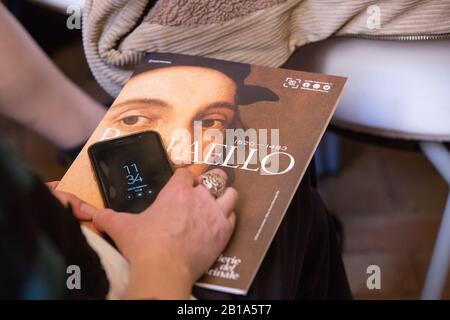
172	92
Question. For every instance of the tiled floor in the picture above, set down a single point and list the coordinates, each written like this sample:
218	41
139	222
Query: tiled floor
390	202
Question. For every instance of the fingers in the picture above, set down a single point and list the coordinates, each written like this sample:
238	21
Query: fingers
182	177
75	203
232	221
228	228
107	220
52	184
69	199
117	225
227	201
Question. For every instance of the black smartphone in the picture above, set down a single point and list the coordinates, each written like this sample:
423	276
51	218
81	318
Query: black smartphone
130	170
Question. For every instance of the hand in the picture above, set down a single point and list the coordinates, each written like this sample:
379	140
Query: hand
70	199
174	241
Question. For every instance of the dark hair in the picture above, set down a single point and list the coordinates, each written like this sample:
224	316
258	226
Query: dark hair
246	94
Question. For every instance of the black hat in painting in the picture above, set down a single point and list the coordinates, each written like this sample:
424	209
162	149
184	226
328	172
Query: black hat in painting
247	94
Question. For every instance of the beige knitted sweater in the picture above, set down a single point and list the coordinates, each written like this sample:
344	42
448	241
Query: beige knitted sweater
117	33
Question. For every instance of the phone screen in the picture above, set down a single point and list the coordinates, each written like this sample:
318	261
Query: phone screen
130	170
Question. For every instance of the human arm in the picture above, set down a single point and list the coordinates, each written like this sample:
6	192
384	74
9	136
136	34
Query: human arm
36	94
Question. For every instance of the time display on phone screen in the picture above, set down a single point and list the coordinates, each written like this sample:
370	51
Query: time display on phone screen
130	170
137	187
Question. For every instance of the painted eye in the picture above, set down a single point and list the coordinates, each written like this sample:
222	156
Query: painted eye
135	120
209	123
130	120
212	123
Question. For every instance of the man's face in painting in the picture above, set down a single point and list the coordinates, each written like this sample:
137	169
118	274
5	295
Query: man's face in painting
172	98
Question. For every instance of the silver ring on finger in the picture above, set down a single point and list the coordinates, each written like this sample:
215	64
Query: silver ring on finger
214	183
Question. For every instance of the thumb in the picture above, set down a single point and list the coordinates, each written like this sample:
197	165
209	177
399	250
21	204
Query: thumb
108	220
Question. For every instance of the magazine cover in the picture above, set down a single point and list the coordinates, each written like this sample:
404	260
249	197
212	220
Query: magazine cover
261	125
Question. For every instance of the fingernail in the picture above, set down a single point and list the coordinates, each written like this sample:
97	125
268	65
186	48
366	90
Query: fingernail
87	208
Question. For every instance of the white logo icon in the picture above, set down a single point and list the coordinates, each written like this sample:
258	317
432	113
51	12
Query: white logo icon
292	83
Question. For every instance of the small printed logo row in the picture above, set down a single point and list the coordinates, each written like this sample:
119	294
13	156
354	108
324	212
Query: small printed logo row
295	83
